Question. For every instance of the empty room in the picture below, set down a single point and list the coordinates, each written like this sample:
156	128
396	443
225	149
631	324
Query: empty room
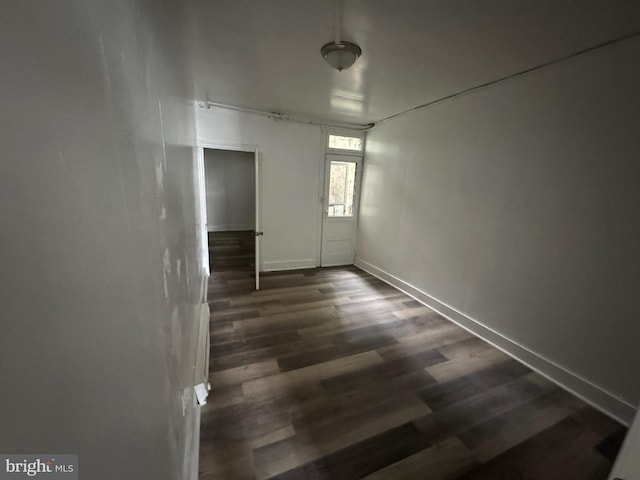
320	239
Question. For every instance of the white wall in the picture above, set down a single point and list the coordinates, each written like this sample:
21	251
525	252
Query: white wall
518	206
291	156
627	463
231	190
99	274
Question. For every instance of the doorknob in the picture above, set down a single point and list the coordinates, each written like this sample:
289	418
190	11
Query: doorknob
259	234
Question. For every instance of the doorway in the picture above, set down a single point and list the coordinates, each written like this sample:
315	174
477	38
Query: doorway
231	194
340	209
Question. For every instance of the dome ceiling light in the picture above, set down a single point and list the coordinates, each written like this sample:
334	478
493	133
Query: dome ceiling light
340	55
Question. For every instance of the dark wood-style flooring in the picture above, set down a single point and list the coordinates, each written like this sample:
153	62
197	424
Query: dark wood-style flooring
231	251
332	374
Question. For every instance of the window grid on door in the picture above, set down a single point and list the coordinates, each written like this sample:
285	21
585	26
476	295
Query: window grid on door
342	182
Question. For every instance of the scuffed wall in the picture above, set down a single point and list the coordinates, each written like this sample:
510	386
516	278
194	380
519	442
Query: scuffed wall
100	275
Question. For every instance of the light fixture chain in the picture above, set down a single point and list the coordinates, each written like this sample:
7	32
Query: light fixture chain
337	25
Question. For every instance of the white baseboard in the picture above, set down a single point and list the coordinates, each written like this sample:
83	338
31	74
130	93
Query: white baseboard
229	228
591	393
288	265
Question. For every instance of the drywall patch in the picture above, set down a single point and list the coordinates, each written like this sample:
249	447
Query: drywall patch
105	65
186	271
160	177
164	142
166	271
176	334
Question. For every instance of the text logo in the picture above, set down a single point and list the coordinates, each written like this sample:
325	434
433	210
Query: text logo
49	467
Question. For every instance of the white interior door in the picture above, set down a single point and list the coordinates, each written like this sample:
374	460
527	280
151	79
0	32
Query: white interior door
340	203
201	221
258	230
201	205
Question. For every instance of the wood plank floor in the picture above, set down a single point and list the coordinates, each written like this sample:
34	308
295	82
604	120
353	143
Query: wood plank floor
233	250
332	374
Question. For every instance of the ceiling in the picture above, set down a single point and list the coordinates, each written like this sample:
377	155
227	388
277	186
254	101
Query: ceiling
265	54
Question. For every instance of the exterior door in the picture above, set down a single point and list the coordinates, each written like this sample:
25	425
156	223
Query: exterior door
340	203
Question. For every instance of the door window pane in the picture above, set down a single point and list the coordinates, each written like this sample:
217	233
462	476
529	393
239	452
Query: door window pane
345	143
342	182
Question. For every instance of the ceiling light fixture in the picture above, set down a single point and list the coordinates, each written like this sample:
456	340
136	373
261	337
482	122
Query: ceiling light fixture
340	55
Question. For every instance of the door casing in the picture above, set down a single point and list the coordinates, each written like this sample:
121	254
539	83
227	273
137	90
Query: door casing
201	202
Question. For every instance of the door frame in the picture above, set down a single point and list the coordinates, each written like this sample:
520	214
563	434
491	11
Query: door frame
323	175
202	199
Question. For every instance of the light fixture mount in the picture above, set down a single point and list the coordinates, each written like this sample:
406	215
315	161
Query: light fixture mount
341	55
